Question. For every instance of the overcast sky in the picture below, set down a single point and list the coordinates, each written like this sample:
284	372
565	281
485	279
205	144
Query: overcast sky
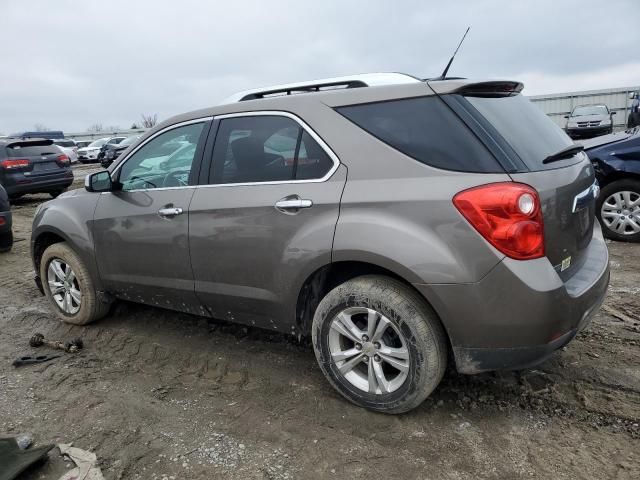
69	64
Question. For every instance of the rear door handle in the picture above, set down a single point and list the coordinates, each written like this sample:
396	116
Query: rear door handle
169	212
293	204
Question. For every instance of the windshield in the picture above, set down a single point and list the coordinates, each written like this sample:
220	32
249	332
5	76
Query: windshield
590	110
128	141
98	143
530	133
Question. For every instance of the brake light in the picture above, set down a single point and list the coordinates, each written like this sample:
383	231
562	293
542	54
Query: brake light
63	160
507	215
15	163
2	221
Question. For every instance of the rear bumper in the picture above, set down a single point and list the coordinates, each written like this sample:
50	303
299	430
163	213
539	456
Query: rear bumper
521	312
20	184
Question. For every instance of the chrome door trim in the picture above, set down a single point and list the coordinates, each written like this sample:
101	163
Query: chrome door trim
279	113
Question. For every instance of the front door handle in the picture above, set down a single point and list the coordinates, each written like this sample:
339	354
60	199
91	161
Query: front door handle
169	212
290	205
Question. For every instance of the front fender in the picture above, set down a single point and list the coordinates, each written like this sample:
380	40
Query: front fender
69	217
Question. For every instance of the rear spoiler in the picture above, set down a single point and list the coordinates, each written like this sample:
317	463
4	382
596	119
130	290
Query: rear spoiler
30	142
486	89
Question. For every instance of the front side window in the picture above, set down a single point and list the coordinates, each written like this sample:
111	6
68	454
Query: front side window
266	149
164	161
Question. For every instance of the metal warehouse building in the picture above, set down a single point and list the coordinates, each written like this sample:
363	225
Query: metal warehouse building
558	105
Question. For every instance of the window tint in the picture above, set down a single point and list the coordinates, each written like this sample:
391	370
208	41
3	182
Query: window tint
266	149
425	129
164	161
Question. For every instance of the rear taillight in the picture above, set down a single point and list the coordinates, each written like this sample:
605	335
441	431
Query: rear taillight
63	161
2	221
507	215
15	163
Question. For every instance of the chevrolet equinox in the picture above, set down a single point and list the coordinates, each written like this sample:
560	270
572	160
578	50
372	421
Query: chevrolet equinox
400	223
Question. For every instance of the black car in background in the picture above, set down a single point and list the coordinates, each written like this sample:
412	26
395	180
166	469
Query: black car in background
111	152
33	166
616	161
6	236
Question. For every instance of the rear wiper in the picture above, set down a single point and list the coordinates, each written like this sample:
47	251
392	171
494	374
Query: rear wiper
567	152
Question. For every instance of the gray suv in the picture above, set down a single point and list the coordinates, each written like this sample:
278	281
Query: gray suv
400	223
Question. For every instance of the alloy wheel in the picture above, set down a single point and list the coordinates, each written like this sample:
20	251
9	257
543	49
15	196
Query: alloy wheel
64	286
369	351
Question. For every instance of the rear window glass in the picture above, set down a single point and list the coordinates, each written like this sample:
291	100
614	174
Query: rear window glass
65	143
425	129
15	151
532	135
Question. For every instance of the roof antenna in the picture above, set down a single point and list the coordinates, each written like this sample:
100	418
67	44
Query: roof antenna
444	74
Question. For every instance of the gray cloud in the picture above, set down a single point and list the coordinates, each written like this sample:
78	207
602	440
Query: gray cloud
69	64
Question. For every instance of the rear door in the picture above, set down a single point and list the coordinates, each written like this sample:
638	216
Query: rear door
266	218
566	186
141	229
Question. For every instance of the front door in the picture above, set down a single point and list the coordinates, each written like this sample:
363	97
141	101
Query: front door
141	229
265	221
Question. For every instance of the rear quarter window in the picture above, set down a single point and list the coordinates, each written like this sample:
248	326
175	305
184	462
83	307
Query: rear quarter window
427	130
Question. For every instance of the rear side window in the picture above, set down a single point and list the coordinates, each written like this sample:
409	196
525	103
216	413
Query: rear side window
530	133
16	151
426	130
266	148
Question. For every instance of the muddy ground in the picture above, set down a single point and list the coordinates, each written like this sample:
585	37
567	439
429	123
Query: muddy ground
157	395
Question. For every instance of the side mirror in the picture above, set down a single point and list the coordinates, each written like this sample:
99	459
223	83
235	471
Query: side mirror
98	182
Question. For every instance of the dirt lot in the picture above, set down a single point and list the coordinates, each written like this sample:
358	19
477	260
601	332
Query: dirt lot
158	395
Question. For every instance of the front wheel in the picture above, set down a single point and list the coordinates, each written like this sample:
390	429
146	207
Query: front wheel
618	209
379	344
68	285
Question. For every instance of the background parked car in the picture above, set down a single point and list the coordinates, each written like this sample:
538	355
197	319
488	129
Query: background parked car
6	235
113	151
33	166
588	121
634	111
616	161
112	141
69	147
82	143
51	134
90	153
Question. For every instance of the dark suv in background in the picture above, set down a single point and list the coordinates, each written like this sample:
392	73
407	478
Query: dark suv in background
6	235
588	121
396	221
33	166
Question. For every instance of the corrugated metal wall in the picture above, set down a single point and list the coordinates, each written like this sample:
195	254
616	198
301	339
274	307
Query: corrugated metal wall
560	104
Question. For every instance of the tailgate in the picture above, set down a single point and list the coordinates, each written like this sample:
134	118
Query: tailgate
41	154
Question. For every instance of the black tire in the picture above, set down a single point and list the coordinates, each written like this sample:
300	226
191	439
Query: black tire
627	184
6	241
55	193
411	315
92	307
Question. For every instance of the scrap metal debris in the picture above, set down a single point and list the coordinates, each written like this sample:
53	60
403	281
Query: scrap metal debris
29	360
37	340
85	461
14	460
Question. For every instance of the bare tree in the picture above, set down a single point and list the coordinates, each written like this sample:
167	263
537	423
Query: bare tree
40	127
134	126
96	127
149	121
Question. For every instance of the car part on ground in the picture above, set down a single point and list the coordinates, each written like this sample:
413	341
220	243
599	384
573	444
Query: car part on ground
31	360
616	161
71	346
33	166
454	229
15	460
586	121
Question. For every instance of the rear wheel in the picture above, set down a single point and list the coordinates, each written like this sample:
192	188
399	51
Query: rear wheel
55	193
379	344
69	286
6	241
618	210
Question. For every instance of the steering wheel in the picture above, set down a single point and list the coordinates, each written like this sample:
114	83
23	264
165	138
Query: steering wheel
172	179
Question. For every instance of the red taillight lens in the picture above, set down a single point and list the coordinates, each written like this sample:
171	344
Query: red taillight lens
2	221
15	163
63	160
507	215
